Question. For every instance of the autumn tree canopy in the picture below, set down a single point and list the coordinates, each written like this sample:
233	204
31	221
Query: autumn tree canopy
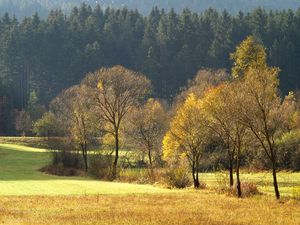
188	135
115	91
146	126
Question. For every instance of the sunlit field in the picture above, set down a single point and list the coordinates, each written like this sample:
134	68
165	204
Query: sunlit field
32	197
118	114
19	175
288	181
201	207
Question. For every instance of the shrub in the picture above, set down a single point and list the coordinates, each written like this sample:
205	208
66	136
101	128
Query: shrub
140	176
141	164
67	159
48	126
177	177
59	143
60	170
289	149
248	189
129	160
222	182
64	163
100	166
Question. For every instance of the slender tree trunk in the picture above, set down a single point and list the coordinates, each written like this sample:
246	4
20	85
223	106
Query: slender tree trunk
150	164
193	172
196	183
274	166
231	181
230	159
276	189
195	176
149	156
197	180
114	172
84	154
272	155
238	182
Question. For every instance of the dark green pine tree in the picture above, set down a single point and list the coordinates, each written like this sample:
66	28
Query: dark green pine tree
222	45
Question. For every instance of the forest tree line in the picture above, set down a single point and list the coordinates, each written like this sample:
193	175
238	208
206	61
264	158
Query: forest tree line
22	8
41	57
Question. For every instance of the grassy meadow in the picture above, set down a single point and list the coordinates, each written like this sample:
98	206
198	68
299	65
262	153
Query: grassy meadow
203	207
19	175
288	182
31	197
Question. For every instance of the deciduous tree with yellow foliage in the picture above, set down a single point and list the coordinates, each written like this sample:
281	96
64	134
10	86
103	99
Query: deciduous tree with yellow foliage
260	107
219	106
188	135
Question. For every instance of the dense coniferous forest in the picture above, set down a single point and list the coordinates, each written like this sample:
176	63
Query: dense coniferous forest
21	8
41	57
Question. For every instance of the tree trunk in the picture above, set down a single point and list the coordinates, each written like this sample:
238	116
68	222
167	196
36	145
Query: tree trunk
231	173
196	180
274	167
84	154
149	156
150	165
238	182
230	158
196	176
114	172
275	179
196	183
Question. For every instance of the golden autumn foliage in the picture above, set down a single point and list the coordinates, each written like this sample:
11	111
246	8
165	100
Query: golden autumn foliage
221	109
260	107
187	134
249	54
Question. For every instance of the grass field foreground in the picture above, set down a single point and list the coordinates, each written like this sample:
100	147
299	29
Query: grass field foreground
203	207
31	197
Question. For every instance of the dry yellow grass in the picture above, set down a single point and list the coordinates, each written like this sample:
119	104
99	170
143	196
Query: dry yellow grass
191	207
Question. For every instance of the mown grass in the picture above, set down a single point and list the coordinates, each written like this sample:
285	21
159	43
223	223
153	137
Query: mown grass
37	142
19	175
202	207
